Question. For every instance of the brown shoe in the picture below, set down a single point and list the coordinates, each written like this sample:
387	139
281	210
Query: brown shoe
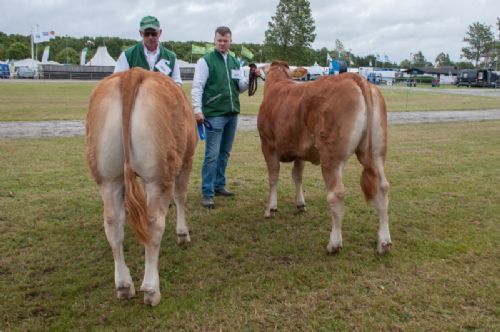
223	192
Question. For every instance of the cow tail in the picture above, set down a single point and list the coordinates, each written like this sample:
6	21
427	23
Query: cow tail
135	198
369	178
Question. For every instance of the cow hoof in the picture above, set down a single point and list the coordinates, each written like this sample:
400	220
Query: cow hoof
125	291
183	239
384	247
301	208
333	250
151	296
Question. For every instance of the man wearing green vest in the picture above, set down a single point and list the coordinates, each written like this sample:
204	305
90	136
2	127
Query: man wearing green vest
149	54
218	81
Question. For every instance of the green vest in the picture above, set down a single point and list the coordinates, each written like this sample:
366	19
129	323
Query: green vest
136	58
221	94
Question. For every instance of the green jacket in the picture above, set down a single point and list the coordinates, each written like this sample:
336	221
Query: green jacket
136	58
221	92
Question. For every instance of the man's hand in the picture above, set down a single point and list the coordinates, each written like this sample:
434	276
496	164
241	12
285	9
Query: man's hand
199	117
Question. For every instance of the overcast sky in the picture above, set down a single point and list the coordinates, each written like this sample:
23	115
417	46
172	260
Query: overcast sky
394	28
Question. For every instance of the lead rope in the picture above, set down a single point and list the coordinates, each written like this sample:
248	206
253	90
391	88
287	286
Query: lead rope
252	80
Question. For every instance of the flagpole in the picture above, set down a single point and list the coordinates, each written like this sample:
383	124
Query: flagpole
32	58
36	46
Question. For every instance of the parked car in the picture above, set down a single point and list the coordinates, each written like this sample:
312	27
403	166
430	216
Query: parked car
25	72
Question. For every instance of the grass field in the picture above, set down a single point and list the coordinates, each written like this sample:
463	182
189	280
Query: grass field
243	272
407	100
35	101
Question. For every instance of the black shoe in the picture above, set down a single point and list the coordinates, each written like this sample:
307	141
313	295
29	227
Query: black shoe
208	202
223	192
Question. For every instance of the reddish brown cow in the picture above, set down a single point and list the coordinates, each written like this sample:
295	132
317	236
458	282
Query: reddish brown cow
140	123
325	122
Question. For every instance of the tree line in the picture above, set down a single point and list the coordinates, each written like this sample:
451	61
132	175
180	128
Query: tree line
289	36
67	49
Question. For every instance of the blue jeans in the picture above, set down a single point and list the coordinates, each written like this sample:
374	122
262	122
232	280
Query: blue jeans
218	144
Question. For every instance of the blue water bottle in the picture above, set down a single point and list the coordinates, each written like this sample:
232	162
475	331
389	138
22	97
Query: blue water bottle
201	131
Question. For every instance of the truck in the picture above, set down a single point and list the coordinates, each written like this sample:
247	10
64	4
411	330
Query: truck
483	78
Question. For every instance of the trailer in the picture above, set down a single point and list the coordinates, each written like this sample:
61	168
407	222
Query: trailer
482	78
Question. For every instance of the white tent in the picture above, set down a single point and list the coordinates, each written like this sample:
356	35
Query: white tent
101	58
315	69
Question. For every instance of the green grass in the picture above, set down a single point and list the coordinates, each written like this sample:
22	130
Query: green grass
39	101
406	99
36	101
243	272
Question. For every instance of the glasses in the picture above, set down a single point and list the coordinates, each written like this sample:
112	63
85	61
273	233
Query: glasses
150	33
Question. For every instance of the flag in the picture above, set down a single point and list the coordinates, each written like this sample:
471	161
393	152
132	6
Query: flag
82	56
197	49
43	36
209	47
246	53
45	56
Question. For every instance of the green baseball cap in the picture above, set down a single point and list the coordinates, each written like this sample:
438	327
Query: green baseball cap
150	22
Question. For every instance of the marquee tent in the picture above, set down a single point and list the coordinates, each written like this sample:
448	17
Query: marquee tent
101	58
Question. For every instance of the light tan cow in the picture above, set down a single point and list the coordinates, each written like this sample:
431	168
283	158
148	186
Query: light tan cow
325	122
140	123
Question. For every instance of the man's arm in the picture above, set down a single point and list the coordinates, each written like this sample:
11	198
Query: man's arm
121	63
199	81
243	82
176	74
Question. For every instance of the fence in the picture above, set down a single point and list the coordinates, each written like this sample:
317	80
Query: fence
75	72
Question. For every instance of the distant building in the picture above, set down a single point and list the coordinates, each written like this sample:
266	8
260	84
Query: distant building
445	74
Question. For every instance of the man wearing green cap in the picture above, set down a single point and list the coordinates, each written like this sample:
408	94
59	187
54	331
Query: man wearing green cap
149	54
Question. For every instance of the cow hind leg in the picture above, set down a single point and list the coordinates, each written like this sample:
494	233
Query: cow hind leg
297	171
381	201
182	229
273	169
159	198
335	197
112	193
